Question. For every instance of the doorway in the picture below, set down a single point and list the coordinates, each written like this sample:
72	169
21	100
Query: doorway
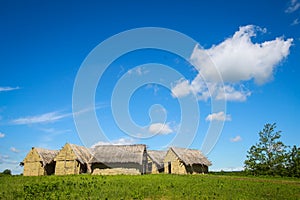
169	168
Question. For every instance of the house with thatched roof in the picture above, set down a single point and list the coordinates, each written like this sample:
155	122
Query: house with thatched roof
155	161
119	159
39	162
185	161
72	159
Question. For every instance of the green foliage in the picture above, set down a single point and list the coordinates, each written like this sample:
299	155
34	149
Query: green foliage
270	156
161	186
293	162
6	172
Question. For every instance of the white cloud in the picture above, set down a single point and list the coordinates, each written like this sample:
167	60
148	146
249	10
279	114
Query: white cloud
138	71
228	169
182	88
223	67
15	150
220	116
43	118
295	22
54	131
159	128
121	141
229	93
236	139
5	89
4	159
2	135
293	6
51	116
239	59
154	87
7	163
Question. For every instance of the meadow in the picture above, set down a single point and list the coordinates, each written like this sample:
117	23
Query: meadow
162	186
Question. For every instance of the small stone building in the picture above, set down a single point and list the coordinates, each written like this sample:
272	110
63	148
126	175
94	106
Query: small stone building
39	162
185	161
119	159
72	159
155	161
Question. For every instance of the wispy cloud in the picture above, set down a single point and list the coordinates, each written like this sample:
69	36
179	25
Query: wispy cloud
97	106
15	150
220	116
228	169
50	116
138	71
5	89
4	159
43	118
2	135
295	22
236	139
120	141
54	131
153	86
293	6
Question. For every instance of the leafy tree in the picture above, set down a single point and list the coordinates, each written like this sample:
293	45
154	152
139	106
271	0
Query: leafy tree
268	156
7	172
293	164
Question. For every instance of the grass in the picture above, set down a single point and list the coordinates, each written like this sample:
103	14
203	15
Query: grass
162	186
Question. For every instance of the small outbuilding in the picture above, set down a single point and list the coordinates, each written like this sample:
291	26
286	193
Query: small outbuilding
72	159
39	162
185	161
119	159
155	161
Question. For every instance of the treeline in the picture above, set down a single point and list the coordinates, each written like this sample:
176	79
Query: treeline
270	156
6	172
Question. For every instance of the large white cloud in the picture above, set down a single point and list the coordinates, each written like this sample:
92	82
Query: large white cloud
239	59
223	67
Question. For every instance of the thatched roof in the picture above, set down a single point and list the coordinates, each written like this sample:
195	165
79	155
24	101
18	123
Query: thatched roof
118	154
190	156
46	155
157	157
83	154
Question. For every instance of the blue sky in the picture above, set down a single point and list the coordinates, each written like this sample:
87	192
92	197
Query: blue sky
252	45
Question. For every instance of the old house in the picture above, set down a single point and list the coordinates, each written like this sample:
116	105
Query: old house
155	161
39	162
72	159
119	159
185	161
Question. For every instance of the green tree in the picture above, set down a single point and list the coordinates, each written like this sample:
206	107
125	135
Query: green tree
293	164
268	156
7	172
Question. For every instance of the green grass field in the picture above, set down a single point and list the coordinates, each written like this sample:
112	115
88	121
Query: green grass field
161	186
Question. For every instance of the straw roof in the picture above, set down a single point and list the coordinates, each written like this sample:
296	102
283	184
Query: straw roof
118	154
190	156
46	155
83	154
157	157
